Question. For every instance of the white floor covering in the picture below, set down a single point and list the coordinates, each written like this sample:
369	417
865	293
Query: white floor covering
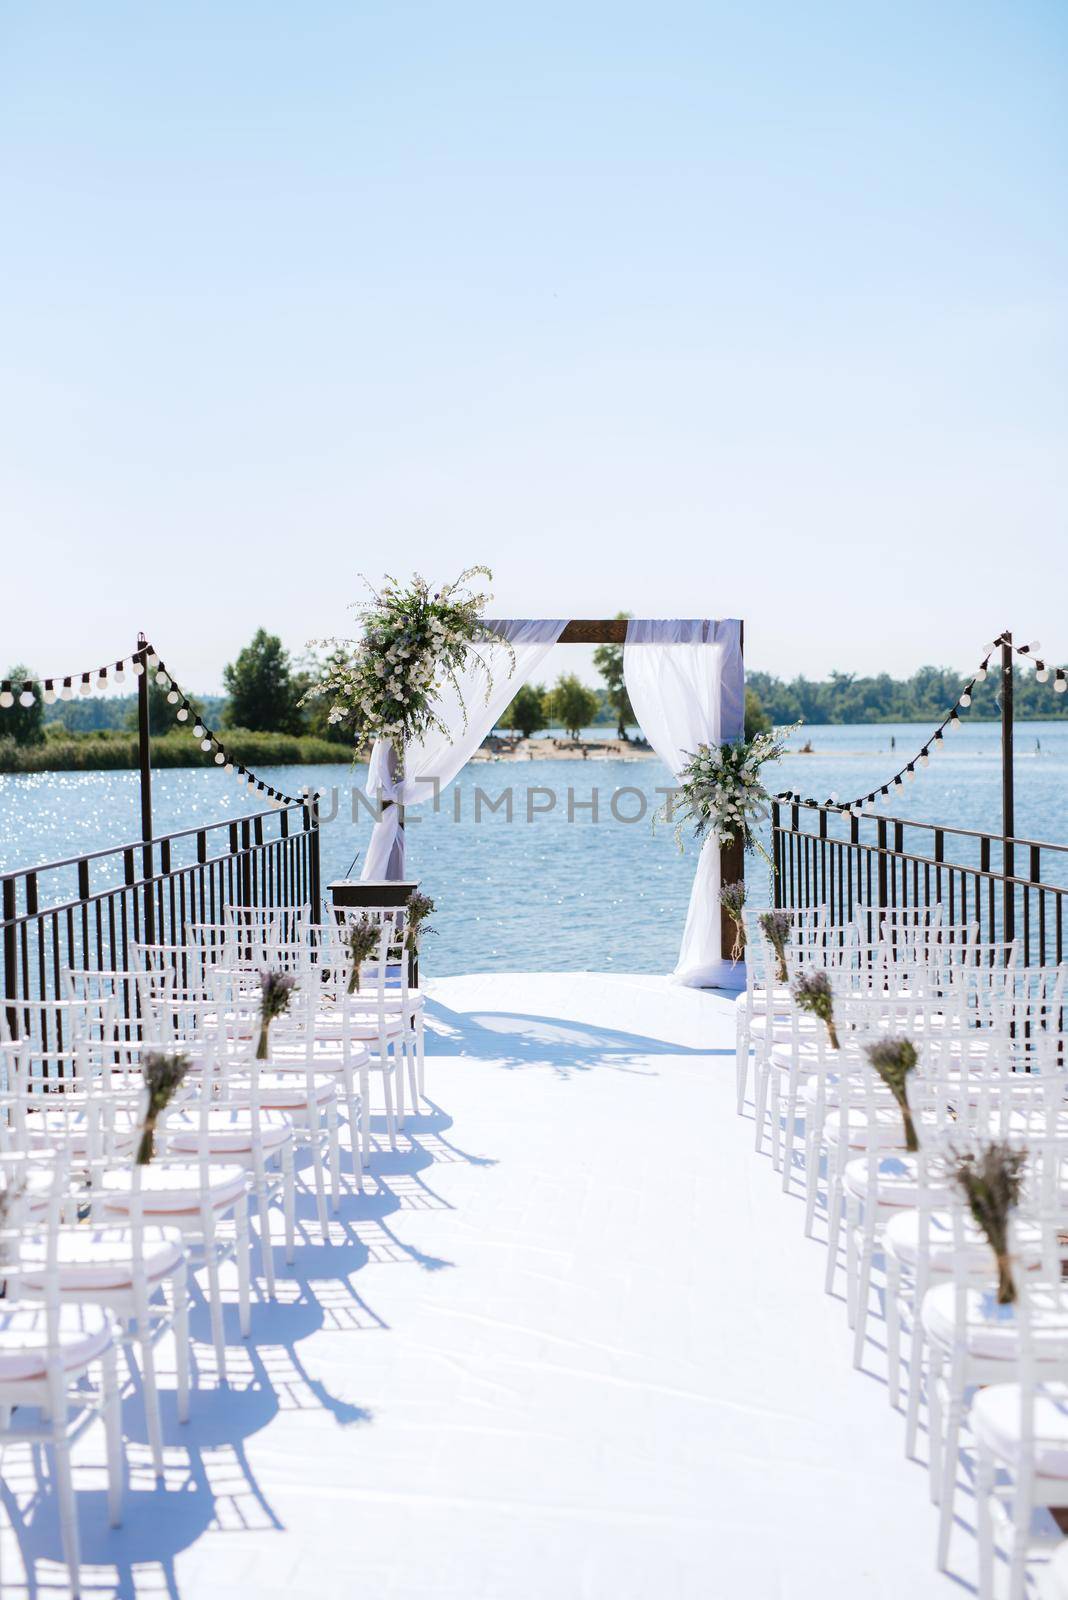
572	1344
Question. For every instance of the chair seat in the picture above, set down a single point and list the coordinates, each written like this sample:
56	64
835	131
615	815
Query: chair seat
757	1000
331	1031
896	1180
995	1421
77	1132
990	1329
84	1335
229	1130
173	1189
283	1091
902	1240
783	1028
328	1057
101	1258
783	1055
885	1133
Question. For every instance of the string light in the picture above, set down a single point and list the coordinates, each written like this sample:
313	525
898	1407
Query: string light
950	724
146	658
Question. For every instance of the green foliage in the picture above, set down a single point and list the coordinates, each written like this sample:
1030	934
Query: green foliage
162	718
104	751
572	703
260	686
527	712
925	697
24	725
756	718
608	659
119	712
311	671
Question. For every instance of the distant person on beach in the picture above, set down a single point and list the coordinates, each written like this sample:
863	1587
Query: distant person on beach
893	742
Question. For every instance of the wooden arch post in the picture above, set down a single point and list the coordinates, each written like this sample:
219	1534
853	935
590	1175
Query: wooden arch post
731	857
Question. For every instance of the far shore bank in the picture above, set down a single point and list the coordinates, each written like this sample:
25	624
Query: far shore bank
102	752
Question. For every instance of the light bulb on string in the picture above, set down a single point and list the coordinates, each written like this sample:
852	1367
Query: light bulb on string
139	668
49	692
1061	684
205	744
965	699
67	691
1042	674
162	680
219	758
229	767
101	681
7	699
119	674
198	731
152	660
27	697
980	676
173	697
182	713
84	686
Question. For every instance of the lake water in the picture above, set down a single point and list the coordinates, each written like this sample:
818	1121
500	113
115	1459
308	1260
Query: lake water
555	892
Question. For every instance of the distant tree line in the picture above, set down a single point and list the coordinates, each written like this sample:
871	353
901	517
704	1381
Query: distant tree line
925	697
264	686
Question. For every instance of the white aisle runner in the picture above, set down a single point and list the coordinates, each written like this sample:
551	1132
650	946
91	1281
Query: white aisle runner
575	1347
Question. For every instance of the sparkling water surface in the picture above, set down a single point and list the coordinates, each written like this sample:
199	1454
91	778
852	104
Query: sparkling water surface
562	890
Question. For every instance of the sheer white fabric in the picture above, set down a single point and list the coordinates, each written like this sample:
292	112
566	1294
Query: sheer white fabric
687	686
432	763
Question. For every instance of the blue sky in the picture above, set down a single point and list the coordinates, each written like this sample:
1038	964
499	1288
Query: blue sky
686	309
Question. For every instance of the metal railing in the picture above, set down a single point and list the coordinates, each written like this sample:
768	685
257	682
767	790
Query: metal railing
88	911
824	858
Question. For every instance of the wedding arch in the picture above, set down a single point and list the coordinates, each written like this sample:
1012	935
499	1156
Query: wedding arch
686	681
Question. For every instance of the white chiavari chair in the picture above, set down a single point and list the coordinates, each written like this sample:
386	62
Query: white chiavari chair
49	1349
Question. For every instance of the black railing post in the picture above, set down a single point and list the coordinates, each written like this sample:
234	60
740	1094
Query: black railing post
315	889
11	951
1008	807
776	854
144	761
880	831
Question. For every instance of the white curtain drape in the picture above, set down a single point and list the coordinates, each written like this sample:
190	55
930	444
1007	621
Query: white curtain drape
430	764
686	683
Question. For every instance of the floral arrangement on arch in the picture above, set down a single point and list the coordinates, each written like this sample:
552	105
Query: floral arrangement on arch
720	790
383	683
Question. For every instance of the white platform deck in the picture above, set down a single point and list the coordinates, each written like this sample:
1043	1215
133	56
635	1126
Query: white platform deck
572	1345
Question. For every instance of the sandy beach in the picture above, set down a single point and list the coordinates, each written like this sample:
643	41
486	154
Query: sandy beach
497	749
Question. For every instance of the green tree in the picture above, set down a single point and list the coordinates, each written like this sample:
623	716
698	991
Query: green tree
24	724
162	715
608	659
316	712
756	718
526	714
573	703
260	686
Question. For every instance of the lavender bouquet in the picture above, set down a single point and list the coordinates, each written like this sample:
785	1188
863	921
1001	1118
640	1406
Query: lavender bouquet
163	1073
361	943
732	899
777	928
991	1178
417	909
812	992
276	991
893	1060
